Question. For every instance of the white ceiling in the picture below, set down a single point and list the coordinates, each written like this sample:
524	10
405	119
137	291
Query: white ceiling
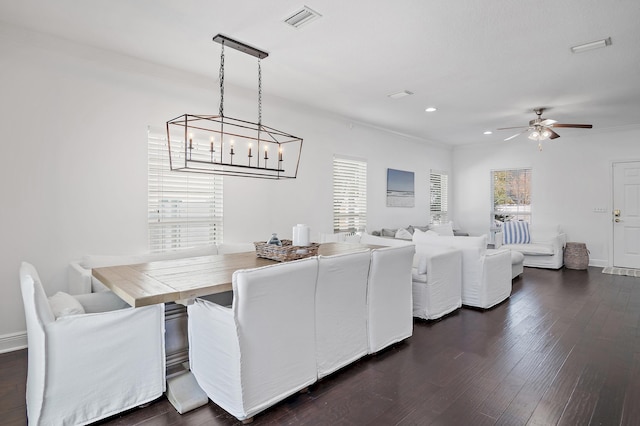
484	64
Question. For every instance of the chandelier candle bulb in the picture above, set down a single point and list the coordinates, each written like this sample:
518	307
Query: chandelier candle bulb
250	151
280	154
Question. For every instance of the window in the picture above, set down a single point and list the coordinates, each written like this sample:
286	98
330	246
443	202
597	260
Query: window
349	194
511	196
438	197
185	209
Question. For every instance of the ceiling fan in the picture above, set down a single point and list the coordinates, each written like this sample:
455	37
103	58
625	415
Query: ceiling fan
542	128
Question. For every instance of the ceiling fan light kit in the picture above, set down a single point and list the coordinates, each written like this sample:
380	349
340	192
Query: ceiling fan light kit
222	145
542	128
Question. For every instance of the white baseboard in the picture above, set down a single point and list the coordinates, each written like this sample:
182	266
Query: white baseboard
599	262
13	342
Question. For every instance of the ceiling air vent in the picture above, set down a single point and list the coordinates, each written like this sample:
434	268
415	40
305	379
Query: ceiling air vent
302	17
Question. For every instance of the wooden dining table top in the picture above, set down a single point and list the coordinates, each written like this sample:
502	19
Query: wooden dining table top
180	280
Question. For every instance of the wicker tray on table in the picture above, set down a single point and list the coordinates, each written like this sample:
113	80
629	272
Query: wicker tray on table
286	251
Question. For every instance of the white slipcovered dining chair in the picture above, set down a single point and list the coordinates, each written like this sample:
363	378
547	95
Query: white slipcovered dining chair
389	298
261	349
341	310
87	362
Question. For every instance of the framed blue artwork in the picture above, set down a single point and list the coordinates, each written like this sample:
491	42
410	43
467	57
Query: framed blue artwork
400	188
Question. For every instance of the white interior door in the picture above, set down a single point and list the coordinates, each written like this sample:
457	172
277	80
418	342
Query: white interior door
626	214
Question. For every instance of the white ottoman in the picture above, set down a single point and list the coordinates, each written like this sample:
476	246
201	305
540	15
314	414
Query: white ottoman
517	263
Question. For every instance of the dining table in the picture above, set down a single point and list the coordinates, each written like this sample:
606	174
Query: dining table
183	280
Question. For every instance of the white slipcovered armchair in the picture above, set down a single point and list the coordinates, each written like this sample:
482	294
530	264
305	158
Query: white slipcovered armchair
389	299
437	281
486	274
248	356
86	361
341	310
545	246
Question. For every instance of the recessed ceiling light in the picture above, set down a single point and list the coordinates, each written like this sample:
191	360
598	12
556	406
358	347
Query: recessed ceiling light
593	45
431	109
400	94
488	132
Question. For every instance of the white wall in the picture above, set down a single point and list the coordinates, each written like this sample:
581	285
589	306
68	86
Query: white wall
571	177
74	173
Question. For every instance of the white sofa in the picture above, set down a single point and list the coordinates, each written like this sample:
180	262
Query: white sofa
546	249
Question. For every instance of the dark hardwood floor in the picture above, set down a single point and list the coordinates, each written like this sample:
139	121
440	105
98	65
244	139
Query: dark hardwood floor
564	349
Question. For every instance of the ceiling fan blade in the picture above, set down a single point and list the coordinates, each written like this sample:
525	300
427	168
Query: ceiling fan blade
577	126
516	135
511	128
554	135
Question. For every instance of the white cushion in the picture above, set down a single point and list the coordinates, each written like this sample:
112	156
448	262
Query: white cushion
479	242
63	304
516	232
442	229
423	236
516	257
403	234
381	241
104	301
532	249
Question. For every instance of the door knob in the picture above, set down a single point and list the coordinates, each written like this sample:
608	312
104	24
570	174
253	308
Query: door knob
616	213
618	220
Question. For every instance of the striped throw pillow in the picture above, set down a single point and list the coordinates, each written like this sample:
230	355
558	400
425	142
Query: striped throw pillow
516	233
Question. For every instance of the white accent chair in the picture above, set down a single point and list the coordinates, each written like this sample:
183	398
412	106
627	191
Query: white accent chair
486	273
341	310
86	367
546	249
437	281
389	299
259	351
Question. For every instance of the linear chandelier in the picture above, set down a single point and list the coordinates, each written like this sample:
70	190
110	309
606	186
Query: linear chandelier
221	145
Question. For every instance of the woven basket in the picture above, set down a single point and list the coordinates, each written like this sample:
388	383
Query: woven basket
576	256
286	251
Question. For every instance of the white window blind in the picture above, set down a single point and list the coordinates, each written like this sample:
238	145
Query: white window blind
439	197
185	209
349	194
511	196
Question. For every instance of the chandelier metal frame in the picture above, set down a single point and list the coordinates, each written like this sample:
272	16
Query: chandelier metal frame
221	145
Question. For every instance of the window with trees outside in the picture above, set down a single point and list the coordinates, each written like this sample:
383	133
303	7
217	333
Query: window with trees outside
349	194
438	196
511	196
